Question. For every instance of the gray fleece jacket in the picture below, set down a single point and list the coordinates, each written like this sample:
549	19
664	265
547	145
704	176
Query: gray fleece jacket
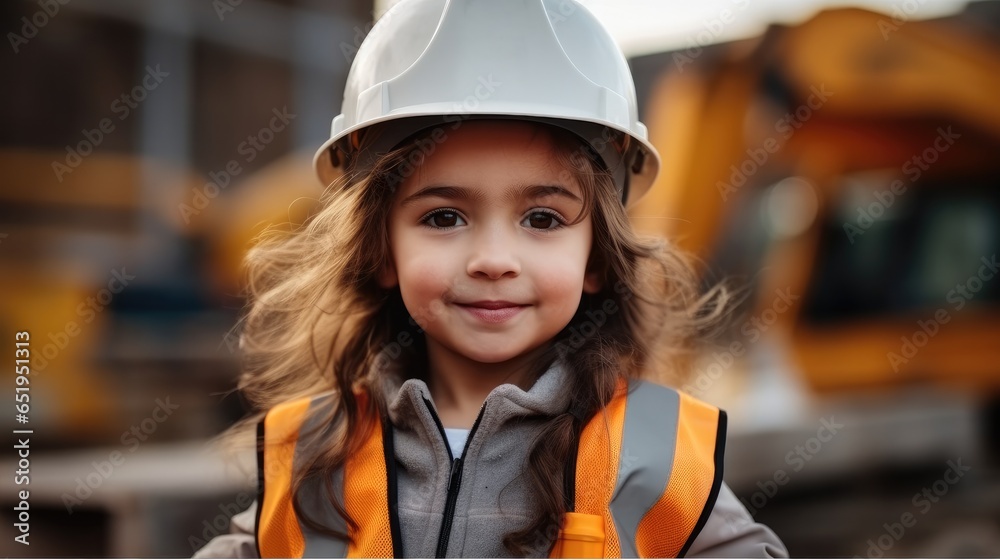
493	498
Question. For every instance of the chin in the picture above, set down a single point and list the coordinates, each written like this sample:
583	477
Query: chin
491	356
489	350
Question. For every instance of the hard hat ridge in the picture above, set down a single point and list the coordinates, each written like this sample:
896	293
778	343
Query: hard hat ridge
540	60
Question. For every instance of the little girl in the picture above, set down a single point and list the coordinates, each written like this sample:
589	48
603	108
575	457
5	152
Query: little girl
449	356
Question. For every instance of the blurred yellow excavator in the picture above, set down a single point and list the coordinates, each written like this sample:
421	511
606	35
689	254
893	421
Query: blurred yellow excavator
850	163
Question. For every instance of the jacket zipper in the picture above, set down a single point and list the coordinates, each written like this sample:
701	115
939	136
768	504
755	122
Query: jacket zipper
454	479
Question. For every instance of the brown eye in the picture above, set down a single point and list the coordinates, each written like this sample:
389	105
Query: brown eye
541	220
443	219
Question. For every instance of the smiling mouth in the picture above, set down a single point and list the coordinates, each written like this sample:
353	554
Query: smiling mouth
492	311
491	304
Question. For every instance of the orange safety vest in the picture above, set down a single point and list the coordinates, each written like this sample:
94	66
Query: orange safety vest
652	505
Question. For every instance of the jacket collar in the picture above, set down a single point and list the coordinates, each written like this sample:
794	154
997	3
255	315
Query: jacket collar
546	397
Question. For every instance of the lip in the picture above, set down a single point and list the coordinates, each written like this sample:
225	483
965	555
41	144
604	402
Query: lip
492	304
492	311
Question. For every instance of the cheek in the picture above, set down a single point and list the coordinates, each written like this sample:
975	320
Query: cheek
559	276
425	271
422	274
423	286
422	271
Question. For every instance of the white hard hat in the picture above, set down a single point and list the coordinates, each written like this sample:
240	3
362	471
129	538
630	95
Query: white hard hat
430	63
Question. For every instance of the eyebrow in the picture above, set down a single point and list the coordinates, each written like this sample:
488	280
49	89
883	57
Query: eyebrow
514	193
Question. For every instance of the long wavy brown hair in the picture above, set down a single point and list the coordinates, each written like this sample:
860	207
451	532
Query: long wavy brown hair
317	321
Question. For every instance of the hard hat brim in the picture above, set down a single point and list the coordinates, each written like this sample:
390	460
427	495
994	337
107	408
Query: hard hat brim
639	171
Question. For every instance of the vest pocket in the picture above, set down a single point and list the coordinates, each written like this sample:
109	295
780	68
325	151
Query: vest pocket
582	536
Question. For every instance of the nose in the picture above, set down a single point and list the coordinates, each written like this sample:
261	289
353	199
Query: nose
494	254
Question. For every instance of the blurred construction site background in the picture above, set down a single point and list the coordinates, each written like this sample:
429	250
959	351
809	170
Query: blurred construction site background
841	162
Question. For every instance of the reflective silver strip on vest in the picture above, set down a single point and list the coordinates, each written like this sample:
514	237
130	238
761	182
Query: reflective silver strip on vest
649	439
314	498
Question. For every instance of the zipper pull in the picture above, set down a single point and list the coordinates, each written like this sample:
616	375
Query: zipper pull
456	467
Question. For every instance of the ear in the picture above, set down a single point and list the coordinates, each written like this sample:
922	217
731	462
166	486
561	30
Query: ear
592	282
387	277
593	277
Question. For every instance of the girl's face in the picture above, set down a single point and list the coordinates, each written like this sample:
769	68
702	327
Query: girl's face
485	260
